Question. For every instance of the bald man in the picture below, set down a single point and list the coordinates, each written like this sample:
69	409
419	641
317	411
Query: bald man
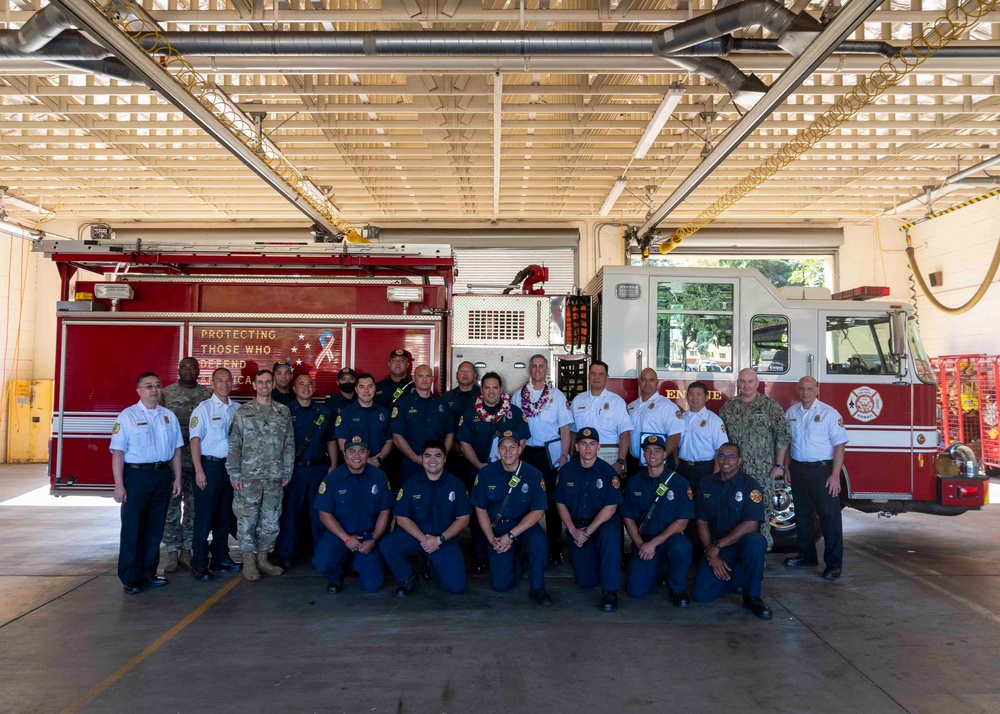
652	414
817	455
418	417
756	423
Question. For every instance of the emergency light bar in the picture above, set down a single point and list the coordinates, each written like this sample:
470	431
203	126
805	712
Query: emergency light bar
113	291
867	292
408	293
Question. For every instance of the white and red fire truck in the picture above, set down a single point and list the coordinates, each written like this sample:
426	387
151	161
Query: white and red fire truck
318	307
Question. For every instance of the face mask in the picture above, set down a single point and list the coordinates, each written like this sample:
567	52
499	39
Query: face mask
347	388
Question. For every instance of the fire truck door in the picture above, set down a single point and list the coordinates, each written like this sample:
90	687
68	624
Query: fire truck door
372	343
100	361
858	377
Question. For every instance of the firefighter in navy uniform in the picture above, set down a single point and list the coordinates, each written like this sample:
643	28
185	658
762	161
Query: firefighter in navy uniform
658	506
588	493
730	508
418	417
145	447
354	502
315	456
347	382
431	511
509	498
364	418
282	392
398	383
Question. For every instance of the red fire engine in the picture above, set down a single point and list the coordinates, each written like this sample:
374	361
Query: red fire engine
322	306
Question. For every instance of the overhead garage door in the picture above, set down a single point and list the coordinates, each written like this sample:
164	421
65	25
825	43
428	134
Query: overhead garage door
487	269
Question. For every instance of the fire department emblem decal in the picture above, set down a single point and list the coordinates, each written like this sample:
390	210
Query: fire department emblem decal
864	404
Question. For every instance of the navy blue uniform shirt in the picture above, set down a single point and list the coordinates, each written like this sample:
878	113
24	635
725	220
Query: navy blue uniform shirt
676	501
433	505
419	420
388	392
339	403
370	423
458	401
302	421
281	398
493	482
472	430
354	500
585	491
726	504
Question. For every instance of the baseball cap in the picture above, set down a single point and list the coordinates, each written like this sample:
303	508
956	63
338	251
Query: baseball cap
588	433
400	352
346	372
654	440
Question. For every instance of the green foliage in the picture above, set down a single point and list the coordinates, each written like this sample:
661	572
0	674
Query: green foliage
780	271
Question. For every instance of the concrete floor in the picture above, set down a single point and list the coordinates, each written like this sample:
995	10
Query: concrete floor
914	626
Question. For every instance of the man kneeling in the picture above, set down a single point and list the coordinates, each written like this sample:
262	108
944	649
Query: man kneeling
730	507
353	503
431	510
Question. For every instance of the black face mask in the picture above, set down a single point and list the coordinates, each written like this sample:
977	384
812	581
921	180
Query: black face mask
347	388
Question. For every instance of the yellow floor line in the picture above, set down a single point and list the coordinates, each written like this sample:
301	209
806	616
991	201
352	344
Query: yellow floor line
160	641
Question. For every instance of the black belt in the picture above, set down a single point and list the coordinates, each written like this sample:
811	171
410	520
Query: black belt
153	466
696	463
506	520
828	462
535	448
314	462
206	457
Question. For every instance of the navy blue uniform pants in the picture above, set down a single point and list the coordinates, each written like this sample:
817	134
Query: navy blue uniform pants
672	558
538	457
297	513
694	472
506	569
810	495
144	514
447	563
599	560
331	553
213	510
746	558
466	472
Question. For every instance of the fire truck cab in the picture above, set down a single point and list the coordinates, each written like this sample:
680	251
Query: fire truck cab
708	324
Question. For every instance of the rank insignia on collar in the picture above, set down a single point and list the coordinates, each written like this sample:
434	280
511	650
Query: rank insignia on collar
755	496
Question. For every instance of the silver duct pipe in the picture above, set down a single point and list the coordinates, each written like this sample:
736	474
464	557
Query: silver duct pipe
41	28
111	68
747	89
964	174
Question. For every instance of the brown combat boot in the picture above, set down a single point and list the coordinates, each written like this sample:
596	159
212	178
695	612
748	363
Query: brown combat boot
265	566
184	561
170	562
250	571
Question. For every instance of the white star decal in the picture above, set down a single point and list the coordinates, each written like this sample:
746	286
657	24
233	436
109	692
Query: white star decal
298	361
302	337
295	349
308	345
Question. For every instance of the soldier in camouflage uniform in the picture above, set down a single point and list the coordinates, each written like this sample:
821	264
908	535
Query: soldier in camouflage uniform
181	398
261	457
756	423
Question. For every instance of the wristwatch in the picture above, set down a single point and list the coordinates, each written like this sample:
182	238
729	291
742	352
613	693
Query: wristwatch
442	539
511	535
780	466
620	462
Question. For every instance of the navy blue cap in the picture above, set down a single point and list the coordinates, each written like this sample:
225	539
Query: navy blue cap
588	433
654	440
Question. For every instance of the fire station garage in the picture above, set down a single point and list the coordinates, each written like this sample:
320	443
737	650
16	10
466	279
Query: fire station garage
500	355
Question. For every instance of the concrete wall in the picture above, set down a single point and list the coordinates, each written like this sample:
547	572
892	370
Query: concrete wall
961	245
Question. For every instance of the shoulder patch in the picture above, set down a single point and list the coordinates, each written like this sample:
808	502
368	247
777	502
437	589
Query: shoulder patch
723	427
337	423
756	496
542	484
194	421
399	496
395	412
680	414
615	482
476	482
116	428
461	420
322	488
690	494
840	422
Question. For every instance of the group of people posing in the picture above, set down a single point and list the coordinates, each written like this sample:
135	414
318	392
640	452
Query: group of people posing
328	481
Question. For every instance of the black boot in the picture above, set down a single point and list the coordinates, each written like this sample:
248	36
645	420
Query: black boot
757	607
609	600
407	587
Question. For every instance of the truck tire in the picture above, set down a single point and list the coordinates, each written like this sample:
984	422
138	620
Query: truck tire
783	519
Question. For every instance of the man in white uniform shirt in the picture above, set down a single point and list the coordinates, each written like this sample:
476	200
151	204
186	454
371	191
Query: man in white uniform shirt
703	434
213	493
652	413
817	455
549	420
146	446
604	411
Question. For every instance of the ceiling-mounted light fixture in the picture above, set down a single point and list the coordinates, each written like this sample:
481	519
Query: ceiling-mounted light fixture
659	119
613	195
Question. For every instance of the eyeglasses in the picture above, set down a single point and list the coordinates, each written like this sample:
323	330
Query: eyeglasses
728	457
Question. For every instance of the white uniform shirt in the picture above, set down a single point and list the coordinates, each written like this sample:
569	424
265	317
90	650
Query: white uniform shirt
545	426
815	431
606	412
703	434
146	435
210	422
658	415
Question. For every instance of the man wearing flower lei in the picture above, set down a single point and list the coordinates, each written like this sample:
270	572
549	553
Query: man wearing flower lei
548	446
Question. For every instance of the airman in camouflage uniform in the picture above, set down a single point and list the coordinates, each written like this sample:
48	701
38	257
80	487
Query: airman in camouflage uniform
260	462
181	398
756	423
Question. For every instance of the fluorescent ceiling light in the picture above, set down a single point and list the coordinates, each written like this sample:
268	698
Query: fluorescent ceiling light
923	201
19	231
7	200
613	195
670	101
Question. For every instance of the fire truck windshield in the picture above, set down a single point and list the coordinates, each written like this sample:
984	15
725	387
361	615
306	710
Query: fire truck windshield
925	373
858	345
